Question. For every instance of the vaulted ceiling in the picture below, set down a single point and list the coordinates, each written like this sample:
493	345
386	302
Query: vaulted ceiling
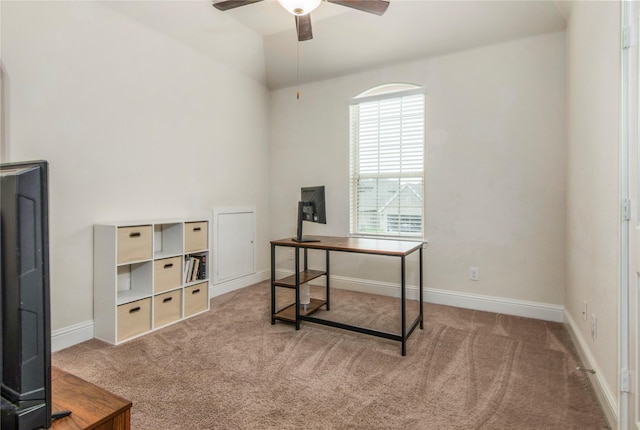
347	41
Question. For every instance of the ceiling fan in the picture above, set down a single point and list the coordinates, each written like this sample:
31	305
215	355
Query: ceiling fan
302	8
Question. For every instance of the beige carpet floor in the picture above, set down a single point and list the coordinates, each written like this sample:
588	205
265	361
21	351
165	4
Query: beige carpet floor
231	369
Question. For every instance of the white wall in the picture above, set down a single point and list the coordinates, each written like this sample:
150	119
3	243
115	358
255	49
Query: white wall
135	123
593	124
496	160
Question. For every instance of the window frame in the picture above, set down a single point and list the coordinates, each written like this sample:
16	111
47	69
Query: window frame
379	93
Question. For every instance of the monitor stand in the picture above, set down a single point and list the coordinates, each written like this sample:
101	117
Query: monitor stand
299	237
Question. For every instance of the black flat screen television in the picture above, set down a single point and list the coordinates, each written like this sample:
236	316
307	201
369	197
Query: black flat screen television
311	207
25	329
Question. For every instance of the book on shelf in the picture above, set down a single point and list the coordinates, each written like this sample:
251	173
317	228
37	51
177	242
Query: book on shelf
195	268
196	264
203	267
188	264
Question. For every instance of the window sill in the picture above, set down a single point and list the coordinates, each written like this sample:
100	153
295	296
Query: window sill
380	237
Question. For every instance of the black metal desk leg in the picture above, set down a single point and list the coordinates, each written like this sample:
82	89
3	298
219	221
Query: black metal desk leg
327	276
273	281
404	307
297	304
421	294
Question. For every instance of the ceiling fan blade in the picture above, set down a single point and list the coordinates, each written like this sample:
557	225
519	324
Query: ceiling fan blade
303	25
232	4
378	7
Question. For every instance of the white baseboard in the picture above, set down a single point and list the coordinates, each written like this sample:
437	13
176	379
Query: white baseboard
522	308
236	284
71	335
68	336
605	396
500	305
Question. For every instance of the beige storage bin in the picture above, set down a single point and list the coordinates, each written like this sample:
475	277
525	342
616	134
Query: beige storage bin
167	274
134	318
167	308
195	236
195	299
135	243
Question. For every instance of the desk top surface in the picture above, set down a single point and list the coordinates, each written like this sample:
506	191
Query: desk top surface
356	244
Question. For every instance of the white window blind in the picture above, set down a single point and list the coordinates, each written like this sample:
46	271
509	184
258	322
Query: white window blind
387	164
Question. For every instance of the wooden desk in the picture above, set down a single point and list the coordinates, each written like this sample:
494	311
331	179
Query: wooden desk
292	313
91	406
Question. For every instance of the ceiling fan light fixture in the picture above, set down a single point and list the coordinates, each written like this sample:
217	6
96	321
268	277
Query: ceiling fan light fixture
299	7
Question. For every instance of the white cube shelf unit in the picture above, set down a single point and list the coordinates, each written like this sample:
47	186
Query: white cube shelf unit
147	275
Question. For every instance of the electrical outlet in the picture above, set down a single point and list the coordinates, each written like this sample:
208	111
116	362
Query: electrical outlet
594	327
584	311
474	273
291	254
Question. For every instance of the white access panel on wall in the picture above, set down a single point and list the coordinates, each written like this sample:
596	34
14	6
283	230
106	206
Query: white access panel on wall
233	241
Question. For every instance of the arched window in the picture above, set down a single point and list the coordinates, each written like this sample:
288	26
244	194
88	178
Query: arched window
387	161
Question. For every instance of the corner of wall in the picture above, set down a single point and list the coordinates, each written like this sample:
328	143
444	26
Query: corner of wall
604	394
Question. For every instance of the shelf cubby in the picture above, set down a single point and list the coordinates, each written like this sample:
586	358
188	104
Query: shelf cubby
167	240
134	282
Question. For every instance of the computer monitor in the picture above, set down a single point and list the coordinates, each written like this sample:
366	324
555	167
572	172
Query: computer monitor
311	207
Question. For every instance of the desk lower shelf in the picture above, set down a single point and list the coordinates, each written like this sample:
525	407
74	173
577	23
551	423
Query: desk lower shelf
288	313
305	276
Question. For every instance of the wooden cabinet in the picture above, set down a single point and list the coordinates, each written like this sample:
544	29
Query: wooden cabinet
148	275
92	408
